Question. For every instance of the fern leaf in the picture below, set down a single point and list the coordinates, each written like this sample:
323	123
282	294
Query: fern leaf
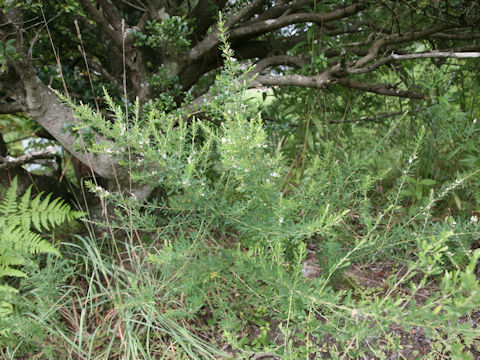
9	237
5	308
8	271
58	214
11	259
39	245
9	203
23	208
44	204
7	289
35	214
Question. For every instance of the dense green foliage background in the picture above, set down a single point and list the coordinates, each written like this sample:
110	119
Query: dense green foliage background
285	222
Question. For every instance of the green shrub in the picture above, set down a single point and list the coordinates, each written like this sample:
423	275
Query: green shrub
224	250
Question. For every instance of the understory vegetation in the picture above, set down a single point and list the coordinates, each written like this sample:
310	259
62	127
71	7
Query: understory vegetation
271	239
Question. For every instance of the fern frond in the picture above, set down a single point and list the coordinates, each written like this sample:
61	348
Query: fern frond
9	203
34	244
35	215
9	259
7	289
23	208
17	240
9	237
47	214
9	271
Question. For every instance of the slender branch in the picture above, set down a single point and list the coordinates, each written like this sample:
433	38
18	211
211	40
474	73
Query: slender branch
436	54
424	55
9	162
212	41
318	82
279	60
453	36
98	17
243	13
261	27
248	50
282	9
381	89
397	38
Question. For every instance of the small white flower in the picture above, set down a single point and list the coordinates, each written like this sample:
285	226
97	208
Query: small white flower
267	181
457	181
164	156
475	120
274	174
454	223
246	170
224	140
189	160
410	160
280	220
229	111
474	219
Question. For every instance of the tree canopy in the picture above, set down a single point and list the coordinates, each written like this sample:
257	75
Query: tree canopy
166	53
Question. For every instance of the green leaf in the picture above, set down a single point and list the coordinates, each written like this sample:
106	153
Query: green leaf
457	201
427	182
419	193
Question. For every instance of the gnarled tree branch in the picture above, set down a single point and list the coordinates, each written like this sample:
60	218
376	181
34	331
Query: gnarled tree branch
381	89
9	162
